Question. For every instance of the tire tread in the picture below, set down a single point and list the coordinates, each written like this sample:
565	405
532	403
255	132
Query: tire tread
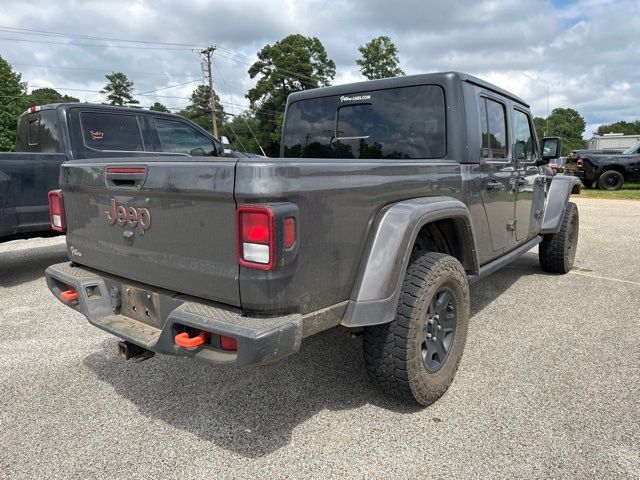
386	346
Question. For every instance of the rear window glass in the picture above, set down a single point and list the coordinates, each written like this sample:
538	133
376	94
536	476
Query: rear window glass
403	123
109	131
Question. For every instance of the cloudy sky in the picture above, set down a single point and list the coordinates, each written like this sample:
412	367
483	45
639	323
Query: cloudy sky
584	51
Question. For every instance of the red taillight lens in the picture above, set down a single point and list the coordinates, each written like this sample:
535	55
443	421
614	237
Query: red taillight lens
56	211
580	163
256	237
255	227
289	232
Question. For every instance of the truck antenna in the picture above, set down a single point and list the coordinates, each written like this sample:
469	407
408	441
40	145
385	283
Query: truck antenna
546	127
254	136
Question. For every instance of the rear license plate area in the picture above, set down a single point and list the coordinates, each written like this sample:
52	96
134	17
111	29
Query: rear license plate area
141	305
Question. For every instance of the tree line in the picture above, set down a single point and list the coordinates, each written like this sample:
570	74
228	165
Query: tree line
292	64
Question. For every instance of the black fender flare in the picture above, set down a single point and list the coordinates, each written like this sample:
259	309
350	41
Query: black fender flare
376	291
556	202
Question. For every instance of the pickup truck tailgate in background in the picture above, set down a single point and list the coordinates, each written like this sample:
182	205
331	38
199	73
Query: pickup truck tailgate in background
167	222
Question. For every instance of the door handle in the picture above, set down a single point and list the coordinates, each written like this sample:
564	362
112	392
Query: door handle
494	185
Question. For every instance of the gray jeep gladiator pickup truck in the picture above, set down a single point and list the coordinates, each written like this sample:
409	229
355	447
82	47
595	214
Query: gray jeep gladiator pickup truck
51	134
391	196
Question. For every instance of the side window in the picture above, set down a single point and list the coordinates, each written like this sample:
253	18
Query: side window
111	131
493	124
522	137
33	132
177	137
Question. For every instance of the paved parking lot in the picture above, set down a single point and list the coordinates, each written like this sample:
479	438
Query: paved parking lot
549	386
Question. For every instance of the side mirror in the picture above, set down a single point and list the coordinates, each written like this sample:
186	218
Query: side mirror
226	145
550	148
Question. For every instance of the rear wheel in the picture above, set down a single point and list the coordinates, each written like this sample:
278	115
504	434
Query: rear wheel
611	180
557	251
416	356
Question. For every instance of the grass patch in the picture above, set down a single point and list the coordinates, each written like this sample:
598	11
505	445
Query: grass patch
629	191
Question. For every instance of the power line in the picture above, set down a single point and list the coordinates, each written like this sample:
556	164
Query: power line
275	112
92	44
277	71
236	56
100	70
167	87
27	31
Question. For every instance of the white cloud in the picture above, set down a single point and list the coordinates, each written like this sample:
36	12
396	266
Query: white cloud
585	51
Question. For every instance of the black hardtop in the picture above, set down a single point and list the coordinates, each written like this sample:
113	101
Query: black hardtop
443	78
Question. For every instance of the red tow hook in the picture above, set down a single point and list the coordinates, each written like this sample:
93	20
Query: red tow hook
183	340
69	296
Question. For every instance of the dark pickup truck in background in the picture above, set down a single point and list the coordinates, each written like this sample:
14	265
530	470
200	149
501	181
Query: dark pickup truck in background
391	196
607	171
51	134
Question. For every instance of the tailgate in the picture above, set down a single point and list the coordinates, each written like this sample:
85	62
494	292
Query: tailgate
167	222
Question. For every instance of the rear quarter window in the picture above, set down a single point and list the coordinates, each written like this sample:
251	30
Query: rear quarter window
401	123
111	131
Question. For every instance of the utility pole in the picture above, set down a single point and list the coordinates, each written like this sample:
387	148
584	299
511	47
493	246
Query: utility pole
207	52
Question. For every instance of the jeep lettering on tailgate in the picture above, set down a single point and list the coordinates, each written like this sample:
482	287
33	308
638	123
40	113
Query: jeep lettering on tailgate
134	217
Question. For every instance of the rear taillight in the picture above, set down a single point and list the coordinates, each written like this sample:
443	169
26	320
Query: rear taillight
56	211
256	237
580	163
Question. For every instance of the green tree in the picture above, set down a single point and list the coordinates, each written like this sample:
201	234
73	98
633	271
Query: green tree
13	102
44	96
240	131
540	124
379	59
119	90
627	128
566	123
292	64
158	107
199	108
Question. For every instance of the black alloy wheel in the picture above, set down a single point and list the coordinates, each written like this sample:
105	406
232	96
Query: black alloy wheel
439	329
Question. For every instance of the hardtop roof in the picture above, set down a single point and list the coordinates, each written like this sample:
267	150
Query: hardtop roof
117	108
405	81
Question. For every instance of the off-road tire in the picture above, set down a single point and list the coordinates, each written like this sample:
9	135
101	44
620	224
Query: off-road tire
393	351
611	180
557	251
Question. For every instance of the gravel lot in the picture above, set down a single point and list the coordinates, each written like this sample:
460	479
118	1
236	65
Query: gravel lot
549	386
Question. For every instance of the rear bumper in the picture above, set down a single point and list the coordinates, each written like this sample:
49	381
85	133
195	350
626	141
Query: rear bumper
259	339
